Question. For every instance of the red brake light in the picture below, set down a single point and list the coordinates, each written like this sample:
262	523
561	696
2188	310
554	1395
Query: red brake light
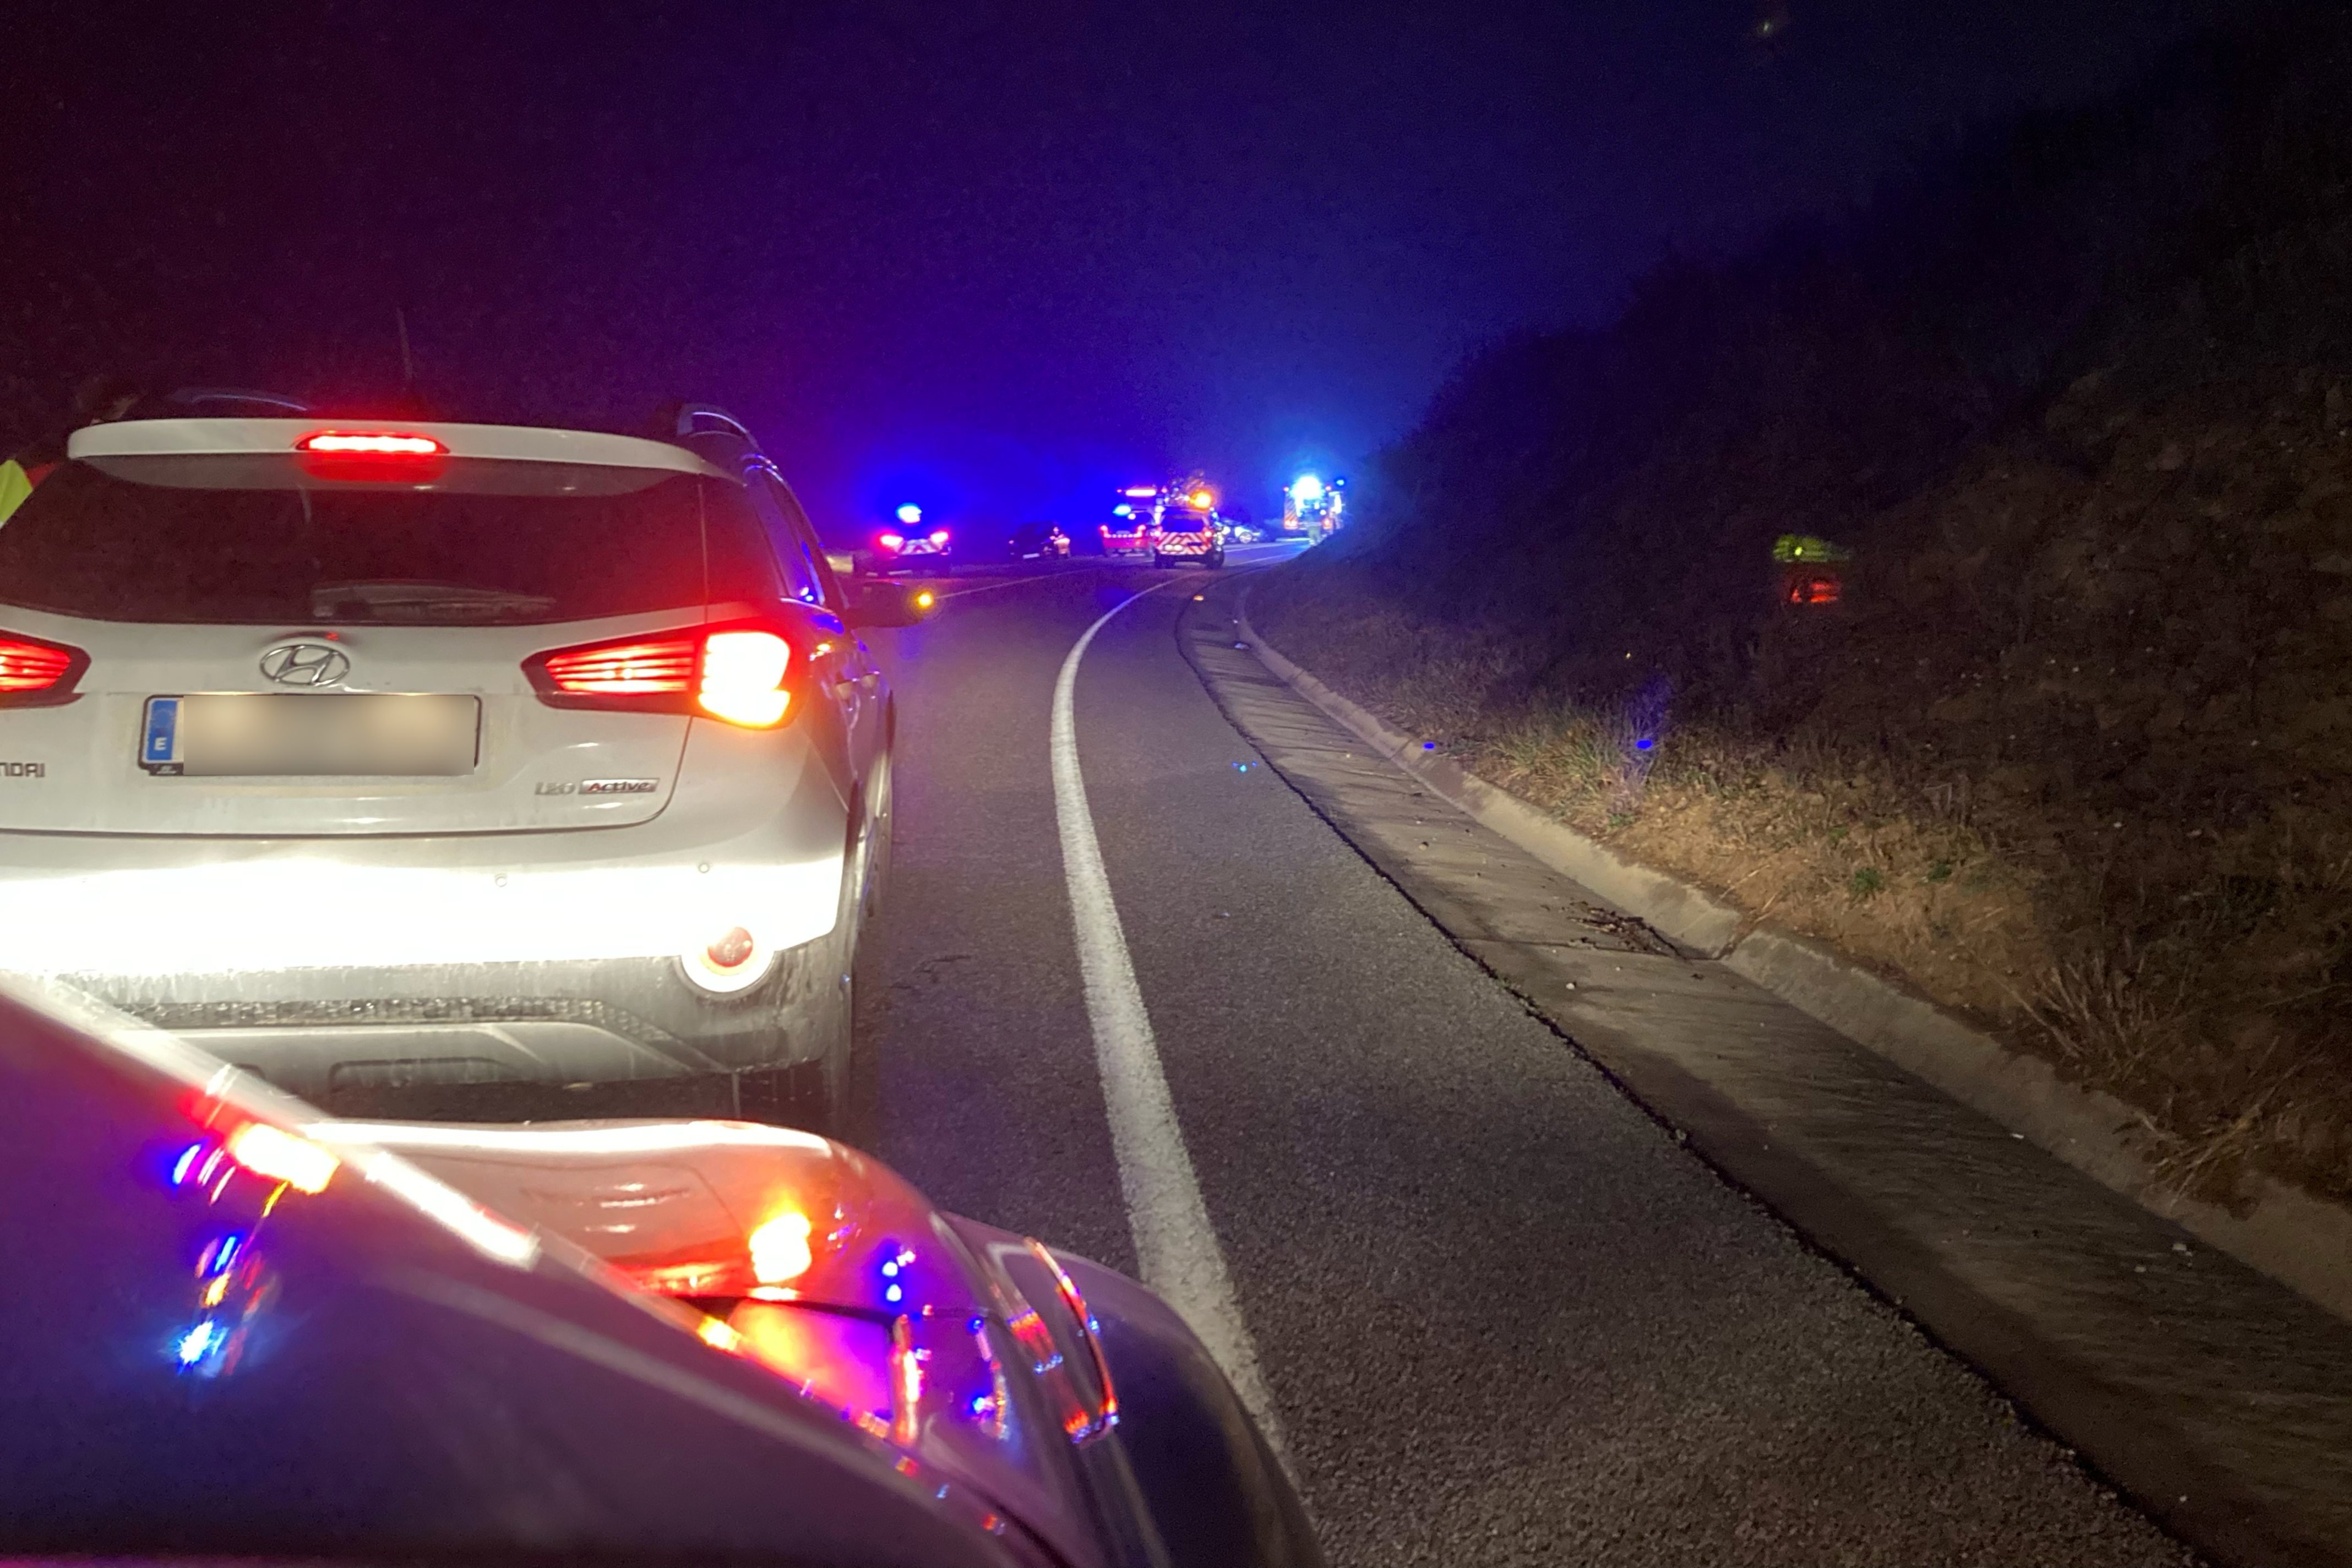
372	444
889	540
633	669
741	673
938	536
33	673
397	457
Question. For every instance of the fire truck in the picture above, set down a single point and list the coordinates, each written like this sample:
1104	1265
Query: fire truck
1139	517
1313	508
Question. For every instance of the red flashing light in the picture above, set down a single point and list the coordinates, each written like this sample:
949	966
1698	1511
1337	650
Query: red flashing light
33	673
890	541
372	444
938	536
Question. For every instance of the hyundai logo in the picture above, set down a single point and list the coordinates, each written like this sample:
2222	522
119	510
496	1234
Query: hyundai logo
306	663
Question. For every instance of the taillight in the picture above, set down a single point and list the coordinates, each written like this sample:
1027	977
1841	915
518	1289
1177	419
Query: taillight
372	444
890	540
742	674
625	668
33	673
938	536
405	456
743	677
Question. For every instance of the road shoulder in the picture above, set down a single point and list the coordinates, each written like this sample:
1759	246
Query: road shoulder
2221	1399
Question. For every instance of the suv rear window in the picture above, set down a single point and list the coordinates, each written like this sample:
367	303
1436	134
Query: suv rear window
238	541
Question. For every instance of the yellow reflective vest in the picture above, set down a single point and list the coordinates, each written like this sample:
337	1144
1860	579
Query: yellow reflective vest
15	484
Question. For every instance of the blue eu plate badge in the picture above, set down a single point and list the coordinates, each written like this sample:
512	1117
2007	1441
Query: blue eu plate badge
159	746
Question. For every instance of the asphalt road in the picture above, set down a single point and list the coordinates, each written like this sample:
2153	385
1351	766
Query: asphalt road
1502	1316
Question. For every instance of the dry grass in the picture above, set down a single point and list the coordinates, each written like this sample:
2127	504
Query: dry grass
2204	996
1819	845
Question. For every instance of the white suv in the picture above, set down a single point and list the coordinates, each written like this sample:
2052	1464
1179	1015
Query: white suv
377	756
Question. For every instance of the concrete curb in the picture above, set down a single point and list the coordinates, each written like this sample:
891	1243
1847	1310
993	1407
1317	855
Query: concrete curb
2297	1239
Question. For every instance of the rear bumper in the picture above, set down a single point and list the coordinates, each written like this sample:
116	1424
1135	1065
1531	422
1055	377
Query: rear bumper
369	962
328	1033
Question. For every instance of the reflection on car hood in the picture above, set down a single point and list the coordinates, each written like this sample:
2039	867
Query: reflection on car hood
810	1258
251	1332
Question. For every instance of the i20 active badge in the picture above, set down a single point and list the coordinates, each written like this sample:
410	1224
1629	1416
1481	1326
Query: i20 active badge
603	786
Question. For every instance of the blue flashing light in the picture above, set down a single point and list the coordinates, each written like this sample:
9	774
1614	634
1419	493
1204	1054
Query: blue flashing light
1645	743
889	1267
224	1253
908	512
198	1342
185	1164
894	1294
982	1406
1429	745
1122	510
1307	488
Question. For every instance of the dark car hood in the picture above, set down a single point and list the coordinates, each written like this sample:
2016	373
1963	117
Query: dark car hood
205	1357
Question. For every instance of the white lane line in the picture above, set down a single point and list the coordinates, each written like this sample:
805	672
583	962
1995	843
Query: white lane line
1001	582
1176	1250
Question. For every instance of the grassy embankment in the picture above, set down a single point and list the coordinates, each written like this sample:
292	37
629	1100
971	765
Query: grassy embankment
2073	752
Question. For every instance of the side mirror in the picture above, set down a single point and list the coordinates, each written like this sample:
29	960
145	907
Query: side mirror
880	601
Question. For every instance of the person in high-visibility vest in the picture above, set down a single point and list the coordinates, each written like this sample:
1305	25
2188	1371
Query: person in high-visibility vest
98	400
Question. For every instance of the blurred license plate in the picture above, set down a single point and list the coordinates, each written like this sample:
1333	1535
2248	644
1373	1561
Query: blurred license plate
358	734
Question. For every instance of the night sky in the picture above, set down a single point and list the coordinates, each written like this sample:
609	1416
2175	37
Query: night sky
993	257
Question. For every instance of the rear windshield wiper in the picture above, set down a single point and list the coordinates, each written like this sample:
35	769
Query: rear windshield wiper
390	599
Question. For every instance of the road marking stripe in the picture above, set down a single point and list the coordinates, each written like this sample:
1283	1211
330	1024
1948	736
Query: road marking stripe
1003	583
1175	1247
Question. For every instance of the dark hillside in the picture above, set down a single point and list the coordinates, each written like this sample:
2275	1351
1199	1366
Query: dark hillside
2073	748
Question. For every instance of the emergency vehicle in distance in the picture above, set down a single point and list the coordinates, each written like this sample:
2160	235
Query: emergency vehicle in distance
1134	522
1312	508
1189	527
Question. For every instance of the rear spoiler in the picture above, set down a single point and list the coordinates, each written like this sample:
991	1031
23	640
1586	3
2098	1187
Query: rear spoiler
508	443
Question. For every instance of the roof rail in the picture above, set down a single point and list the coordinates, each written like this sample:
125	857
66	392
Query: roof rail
199	397
710	419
